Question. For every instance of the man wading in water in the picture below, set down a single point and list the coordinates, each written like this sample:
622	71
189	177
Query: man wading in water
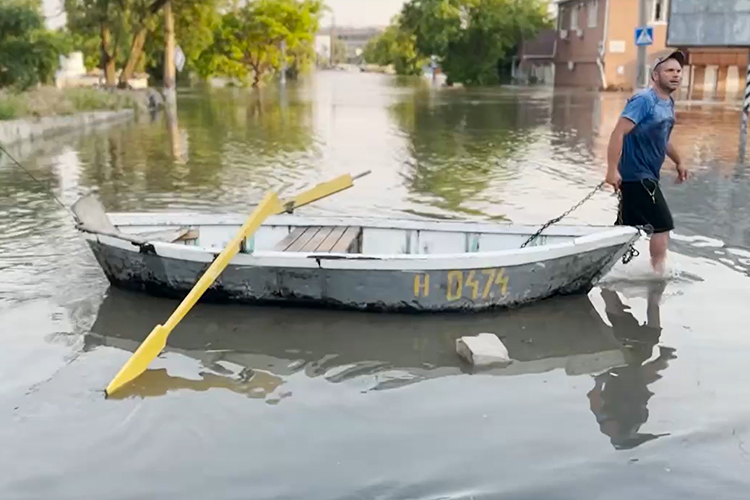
636	152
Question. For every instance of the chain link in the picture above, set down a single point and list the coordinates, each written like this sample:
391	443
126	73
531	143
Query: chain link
561	217
631	251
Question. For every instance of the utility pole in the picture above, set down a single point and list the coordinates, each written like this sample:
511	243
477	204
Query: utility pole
283	63
169	67
331	56
641	78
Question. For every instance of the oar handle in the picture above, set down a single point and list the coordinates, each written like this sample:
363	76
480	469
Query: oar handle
361	174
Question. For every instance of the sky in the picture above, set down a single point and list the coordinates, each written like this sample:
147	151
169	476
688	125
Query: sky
361	13
356	13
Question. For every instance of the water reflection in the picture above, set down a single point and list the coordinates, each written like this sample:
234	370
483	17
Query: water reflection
217	145
177	142
156	382
386	351
459	144
620	396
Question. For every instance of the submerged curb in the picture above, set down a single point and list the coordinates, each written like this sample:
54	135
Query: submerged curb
31	129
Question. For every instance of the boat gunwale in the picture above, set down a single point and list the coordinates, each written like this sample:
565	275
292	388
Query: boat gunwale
169	219
614	236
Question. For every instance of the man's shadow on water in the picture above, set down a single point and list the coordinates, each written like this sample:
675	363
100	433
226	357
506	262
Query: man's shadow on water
619	399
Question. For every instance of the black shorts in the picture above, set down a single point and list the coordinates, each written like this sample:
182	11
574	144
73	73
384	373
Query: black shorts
643	204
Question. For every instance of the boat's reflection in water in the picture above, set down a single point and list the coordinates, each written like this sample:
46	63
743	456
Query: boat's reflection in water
251	350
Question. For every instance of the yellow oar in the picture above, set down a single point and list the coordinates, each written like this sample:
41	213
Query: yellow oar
321	191
157	339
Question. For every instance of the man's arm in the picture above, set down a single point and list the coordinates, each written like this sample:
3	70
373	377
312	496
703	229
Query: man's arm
682	173
673	154
614	149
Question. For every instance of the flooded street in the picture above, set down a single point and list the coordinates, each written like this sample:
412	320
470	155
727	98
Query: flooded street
636	390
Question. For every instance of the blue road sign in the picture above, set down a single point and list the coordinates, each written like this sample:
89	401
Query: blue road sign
644	35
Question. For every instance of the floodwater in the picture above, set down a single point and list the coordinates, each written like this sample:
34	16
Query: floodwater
636	390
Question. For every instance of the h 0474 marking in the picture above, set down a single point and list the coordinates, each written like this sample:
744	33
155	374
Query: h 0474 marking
484	284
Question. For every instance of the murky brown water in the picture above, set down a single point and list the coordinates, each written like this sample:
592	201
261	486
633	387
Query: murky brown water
637	390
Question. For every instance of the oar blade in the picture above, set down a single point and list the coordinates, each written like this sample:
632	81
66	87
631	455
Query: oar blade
157	339
319	191
139	361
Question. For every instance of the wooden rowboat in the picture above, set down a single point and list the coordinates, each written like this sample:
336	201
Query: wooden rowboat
352	262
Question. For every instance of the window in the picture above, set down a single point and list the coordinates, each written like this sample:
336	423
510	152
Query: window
574	17
593	11
657	10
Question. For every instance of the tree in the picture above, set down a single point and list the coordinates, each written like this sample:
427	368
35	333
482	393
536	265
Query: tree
396	47
472	38
116	30
195	22
28	51
99	28
143	16
248	40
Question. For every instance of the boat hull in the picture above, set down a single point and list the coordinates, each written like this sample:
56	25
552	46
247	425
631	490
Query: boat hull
414	290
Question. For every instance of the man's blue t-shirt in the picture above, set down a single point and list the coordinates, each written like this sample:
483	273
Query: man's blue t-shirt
645	147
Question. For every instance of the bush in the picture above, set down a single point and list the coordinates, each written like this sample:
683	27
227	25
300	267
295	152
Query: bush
50	101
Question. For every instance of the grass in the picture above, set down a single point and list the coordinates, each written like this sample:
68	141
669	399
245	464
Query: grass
50	101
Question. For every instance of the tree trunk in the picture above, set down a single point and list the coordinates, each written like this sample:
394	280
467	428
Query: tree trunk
257	73
108	59
169	69
136	49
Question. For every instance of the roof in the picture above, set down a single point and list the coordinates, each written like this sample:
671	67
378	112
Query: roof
542	45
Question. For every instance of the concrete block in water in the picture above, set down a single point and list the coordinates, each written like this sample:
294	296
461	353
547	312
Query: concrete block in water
483	349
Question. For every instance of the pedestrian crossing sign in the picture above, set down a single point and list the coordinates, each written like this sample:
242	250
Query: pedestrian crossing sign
644	35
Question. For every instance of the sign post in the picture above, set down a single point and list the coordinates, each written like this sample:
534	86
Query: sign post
644	36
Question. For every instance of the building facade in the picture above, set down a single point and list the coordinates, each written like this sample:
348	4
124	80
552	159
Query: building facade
354	39
535	61
596	49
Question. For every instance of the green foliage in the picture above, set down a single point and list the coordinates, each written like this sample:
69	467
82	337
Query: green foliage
217	37
459	148
248	41
472	38
10	107
195	23
436	24
110	32
86	18
28	52
398	48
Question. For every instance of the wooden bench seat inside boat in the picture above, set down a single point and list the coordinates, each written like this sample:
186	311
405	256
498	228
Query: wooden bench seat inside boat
338	239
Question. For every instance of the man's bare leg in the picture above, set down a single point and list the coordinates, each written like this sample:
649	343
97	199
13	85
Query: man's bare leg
658	247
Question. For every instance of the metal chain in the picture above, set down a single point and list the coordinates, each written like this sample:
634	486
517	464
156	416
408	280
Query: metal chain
631	251
558	219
